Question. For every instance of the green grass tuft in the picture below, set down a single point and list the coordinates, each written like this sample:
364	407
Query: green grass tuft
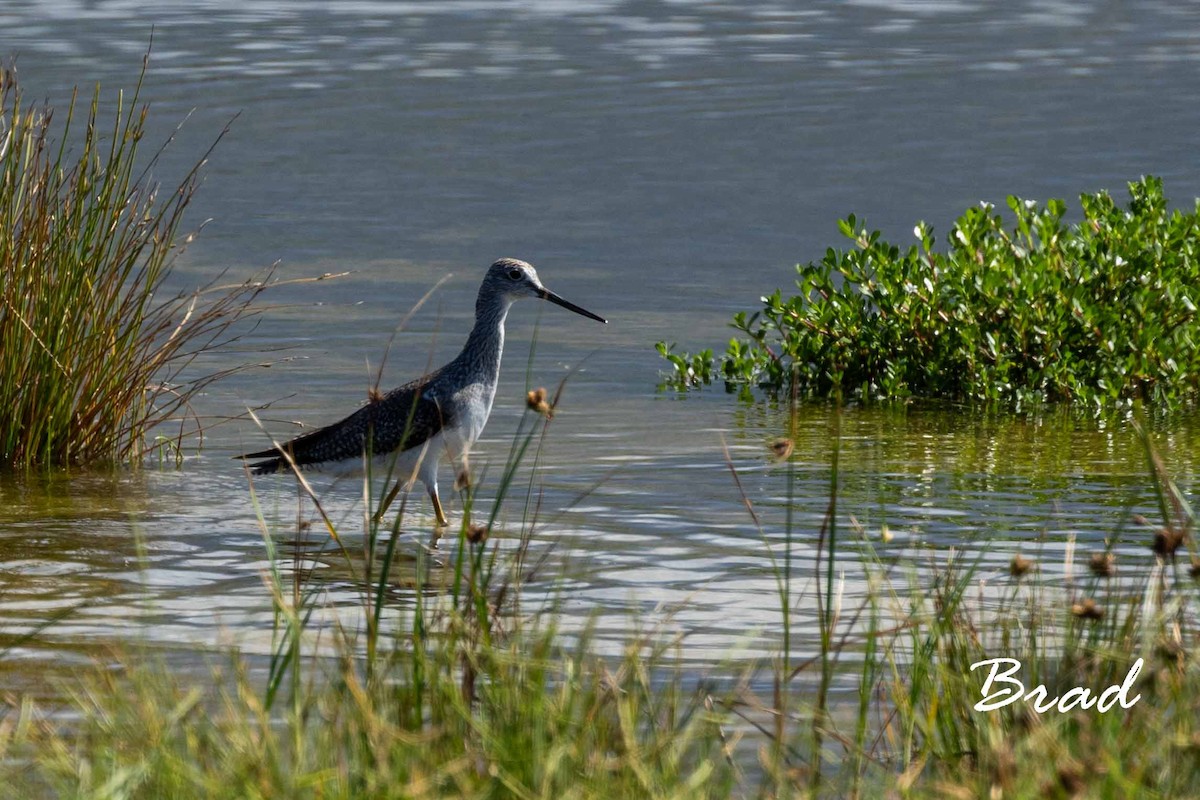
93	345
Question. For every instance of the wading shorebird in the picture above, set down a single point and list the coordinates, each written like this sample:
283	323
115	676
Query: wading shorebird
408	429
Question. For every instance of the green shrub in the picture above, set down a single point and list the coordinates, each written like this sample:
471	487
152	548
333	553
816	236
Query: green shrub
1097	313
92	345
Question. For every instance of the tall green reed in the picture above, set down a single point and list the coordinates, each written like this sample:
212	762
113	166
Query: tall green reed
902	719
95	350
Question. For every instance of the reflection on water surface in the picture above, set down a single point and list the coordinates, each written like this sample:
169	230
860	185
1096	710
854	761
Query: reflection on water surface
663	164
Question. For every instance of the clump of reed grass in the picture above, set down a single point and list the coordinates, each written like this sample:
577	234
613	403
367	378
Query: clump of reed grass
94	347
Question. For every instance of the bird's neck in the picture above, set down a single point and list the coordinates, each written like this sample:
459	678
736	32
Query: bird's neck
486	342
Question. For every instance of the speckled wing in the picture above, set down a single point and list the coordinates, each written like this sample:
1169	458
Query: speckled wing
404	418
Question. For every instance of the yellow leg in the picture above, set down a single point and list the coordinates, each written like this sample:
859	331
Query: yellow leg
387	501
437	508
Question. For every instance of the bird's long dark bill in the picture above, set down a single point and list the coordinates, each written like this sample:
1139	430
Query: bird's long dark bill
553	298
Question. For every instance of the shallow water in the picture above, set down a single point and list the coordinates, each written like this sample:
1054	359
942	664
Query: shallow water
663	164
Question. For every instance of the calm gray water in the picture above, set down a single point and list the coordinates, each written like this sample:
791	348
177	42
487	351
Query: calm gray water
663	164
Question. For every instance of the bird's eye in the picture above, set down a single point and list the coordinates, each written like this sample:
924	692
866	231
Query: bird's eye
514	274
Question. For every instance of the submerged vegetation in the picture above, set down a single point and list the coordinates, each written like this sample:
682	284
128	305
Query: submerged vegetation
93	341
1097	313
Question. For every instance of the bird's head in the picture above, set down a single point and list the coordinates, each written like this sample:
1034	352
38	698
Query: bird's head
513	279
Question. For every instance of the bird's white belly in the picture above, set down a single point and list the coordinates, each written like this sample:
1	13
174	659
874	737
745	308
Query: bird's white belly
470	421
